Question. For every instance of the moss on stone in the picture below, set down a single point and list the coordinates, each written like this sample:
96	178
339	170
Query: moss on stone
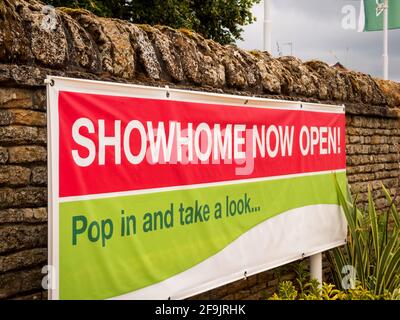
73	12
145	27
190	34
3	9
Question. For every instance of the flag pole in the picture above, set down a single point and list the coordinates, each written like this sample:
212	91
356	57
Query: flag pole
267	26
385	40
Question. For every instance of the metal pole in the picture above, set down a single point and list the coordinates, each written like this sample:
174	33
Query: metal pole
316	267
385	40
267	26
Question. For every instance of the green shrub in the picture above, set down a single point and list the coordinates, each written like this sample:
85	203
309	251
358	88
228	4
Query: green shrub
312	291
373	247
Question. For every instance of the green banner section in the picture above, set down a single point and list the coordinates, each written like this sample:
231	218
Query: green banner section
112	246
374	17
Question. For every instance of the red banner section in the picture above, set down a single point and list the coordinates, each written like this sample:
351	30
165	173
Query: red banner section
112	143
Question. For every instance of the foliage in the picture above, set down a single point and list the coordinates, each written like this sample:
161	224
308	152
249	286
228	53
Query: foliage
101	8
312	291
302	275
220	20
373	247
304	287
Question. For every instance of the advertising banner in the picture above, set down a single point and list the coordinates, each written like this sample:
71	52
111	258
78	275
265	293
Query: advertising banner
159	193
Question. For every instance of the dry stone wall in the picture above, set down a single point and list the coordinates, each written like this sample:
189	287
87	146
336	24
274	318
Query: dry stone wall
81	45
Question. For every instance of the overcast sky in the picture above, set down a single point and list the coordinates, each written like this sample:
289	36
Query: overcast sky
315	29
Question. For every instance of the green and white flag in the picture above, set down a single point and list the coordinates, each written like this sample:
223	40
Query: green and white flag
371	15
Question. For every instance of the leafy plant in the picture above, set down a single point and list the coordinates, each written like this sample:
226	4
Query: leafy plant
302	275
373	246
288	291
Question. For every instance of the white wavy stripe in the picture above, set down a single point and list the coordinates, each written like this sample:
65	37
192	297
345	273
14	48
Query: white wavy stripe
289	236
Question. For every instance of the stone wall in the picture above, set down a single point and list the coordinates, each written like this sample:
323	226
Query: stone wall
372	156
23	191
84	46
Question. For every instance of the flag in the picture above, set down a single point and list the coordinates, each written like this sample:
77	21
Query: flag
371	15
